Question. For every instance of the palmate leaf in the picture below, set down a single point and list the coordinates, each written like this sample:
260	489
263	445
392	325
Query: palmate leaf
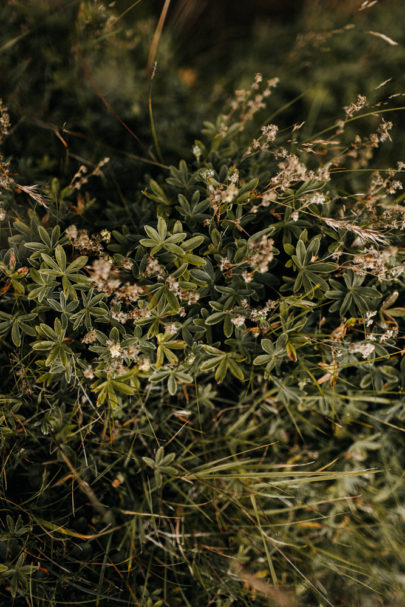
352	296
222	362
107	389
68	274
164	350
275	353
174	377
311	272
19	325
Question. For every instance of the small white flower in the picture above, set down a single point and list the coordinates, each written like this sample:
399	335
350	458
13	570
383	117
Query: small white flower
390	333
88	372
207	174
318	198
224	263
115	350
238	321
133	351
270	132
369	317
144	365
197	151
105	235
120	316
171	329
71	232
365	349
90	337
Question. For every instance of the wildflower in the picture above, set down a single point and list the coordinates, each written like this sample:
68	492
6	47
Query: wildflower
144	365
268	197
120	316
127	263
88	372
270	305
238	321
101	268
323	173
224	263
365	349
190	296
105	235
270	132
5	180
207	174
71	232
273	82
115	349
173	285
318	198
234	176
128	292
85	244
387	335
258	79
394	186
291	170
383	130
111	286
90	337
132	351
254	105
262	254
369	317
171	329
153	267
230	193
197	151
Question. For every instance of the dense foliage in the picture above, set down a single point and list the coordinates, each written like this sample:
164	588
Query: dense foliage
203	386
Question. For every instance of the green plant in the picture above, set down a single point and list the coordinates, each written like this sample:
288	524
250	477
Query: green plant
202	401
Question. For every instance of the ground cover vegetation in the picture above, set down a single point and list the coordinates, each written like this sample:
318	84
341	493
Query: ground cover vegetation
202	308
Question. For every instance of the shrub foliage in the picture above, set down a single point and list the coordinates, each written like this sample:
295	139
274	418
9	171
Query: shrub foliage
204	404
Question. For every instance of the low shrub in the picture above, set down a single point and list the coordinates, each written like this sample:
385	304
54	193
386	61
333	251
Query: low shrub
205	406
